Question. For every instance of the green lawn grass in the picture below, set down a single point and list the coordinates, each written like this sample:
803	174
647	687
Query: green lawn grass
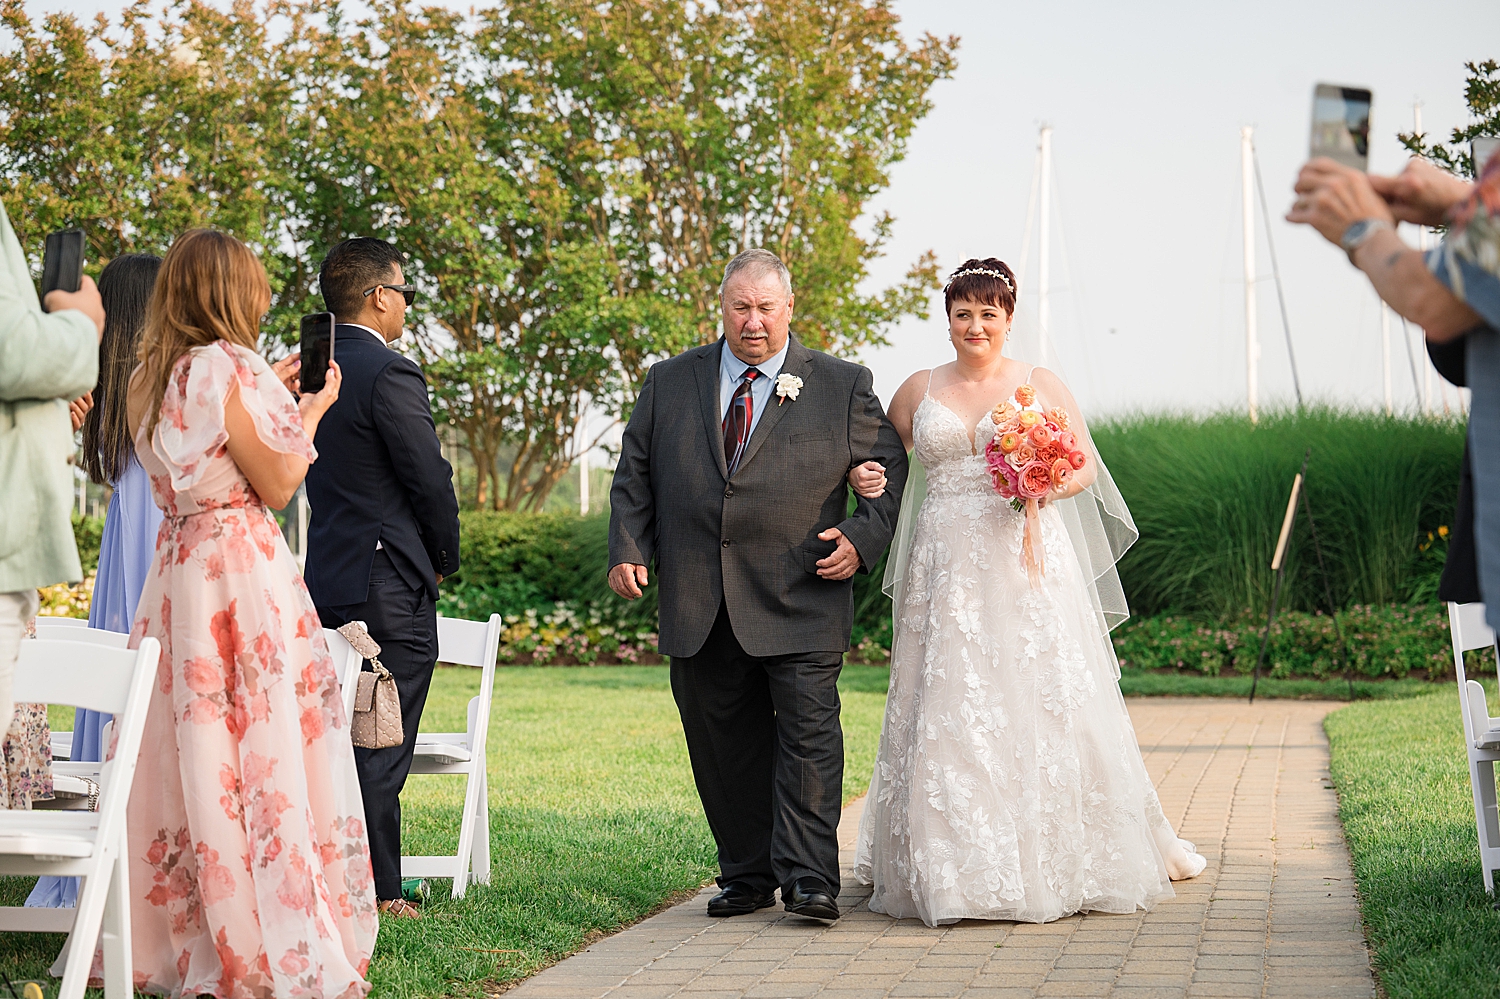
1408	815
594	824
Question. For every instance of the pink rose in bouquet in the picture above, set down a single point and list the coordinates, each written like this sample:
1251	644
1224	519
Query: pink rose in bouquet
1036	481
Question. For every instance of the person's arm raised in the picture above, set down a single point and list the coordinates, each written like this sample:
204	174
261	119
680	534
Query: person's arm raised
275	475
1331	198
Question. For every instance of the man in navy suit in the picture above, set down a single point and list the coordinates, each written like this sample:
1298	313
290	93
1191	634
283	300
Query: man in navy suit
384	529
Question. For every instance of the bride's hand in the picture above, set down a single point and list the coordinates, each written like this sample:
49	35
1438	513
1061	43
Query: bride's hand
868	480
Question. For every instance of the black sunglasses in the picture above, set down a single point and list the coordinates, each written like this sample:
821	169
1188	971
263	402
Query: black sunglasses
408	291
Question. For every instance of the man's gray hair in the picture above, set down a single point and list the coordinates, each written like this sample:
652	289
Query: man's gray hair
757	262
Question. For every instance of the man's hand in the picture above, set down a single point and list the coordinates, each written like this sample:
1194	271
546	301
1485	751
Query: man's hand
439	576
1331	197
1421	193
627	579
287	371
79	408
844	562
86	300
868	480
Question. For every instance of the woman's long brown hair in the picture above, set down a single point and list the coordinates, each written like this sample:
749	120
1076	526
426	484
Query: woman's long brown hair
125	287
211	287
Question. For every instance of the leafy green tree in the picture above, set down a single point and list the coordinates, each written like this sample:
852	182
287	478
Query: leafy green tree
1482	94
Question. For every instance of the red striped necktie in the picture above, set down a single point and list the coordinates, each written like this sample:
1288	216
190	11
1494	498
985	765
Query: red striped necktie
737	420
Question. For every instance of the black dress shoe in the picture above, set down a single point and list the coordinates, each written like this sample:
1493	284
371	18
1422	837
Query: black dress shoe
812	898
738	899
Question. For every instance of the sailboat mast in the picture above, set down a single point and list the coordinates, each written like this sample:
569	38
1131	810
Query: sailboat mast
1044	261
1252	342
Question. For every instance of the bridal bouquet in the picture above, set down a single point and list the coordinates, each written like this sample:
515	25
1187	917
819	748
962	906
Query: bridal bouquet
1031	455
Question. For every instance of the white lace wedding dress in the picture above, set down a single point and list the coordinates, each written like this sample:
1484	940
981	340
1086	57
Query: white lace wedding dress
1009	784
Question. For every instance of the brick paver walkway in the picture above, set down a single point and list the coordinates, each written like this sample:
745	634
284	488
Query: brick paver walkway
1273	915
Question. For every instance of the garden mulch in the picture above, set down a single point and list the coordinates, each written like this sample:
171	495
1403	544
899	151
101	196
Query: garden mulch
1275	914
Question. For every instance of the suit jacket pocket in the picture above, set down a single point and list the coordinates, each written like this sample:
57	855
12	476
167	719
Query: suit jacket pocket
811	555
813	437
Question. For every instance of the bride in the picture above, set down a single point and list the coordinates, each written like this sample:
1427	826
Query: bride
1008	784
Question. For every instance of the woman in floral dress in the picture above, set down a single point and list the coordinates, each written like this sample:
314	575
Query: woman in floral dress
250	872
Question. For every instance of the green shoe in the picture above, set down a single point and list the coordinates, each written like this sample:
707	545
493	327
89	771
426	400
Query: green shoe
415	890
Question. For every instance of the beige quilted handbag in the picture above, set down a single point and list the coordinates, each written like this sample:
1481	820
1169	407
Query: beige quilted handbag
377	705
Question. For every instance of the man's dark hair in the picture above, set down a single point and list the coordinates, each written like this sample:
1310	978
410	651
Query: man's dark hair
353	266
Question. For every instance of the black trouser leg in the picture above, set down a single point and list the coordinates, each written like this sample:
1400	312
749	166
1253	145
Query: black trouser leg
403	621
809	767
768	757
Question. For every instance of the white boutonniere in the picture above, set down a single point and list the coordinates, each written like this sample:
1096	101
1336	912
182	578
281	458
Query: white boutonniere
787	387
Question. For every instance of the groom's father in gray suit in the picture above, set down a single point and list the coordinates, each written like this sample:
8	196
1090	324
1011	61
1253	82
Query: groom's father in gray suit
732	479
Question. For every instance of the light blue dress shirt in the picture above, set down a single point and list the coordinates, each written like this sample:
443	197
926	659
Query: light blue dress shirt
732	370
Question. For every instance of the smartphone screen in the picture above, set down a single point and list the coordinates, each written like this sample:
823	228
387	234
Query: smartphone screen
62	261
1341	124
1483	148
317	350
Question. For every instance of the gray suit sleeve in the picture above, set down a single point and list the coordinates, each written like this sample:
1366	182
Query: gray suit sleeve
872	437
632	503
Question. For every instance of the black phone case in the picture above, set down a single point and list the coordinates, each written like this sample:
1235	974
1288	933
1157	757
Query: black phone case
62	262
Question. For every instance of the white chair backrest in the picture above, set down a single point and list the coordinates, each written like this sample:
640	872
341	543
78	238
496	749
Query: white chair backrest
48	621
346	664
51	632
465	643
83	674
1469	628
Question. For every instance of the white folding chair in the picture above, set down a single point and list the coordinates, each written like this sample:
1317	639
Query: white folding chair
75	629
346	664
462	643
90	844
1468	630
62	623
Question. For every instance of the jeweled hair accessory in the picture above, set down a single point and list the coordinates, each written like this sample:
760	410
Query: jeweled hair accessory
987	272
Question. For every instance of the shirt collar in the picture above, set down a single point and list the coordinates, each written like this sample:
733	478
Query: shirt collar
734	368
373	332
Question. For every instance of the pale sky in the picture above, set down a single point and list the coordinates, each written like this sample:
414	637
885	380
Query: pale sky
1146	101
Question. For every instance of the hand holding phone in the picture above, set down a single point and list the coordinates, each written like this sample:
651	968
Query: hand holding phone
86	300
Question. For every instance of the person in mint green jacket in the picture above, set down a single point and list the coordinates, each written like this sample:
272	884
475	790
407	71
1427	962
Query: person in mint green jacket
46	359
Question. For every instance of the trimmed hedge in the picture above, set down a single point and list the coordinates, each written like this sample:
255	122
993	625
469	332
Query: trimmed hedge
1387	641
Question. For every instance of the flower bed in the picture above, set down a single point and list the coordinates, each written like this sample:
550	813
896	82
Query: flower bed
1387	641
566	636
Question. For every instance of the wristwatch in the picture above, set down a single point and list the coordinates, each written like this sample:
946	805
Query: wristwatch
1359	233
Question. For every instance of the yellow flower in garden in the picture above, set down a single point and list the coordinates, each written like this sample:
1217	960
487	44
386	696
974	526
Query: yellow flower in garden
1443	531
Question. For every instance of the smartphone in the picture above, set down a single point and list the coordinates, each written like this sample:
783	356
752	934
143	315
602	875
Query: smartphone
317	351
1483	148
1341	124
62	262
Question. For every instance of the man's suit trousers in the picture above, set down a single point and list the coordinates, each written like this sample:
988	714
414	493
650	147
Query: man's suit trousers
767	751
403	621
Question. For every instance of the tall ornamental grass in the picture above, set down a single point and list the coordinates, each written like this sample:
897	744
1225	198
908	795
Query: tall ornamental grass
1209	494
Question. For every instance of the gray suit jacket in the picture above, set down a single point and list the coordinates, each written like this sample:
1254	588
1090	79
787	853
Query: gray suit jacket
752	541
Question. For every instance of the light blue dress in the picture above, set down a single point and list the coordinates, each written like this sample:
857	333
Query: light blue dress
125	555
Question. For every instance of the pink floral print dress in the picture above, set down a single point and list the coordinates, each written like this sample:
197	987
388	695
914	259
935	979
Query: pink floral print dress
249	863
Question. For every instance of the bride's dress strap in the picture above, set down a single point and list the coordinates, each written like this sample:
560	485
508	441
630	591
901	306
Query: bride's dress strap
927	392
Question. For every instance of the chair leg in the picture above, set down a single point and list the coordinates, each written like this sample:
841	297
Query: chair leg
115	931
93	891
1486	818
463	870
482	832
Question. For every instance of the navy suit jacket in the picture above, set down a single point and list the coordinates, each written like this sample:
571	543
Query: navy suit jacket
380	476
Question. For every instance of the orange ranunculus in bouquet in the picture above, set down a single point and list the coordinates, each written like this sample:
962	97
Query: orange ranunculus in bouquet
1031	455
